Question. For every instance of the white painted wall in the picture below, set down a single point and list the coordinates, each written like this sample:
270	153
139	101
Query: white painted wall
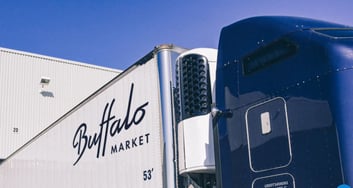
27	107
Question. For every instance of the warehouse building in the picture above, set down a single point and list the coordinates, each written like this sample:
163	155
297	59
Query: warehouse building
36	90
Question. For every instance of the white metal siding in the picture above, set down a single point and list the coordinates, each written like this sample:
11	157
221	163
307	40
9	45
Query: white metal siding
26	108
48	160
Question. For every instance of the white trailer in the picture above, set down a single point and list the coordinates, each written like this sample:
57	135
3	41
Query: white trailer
123	135
36	90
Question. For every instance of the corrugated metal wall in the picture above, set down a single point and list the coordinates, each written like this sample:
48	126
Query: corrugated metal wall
27	107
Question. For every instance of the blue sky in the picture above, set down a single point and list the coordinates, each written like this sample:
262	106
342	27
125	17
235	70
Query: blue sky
116	33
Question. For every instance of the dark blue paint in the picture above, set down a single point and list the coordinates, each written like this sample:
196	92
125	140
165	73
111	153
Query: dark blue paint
316	84
271	150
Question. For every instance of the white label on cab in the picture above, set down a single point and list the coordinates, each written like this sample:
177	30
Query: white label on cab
265	123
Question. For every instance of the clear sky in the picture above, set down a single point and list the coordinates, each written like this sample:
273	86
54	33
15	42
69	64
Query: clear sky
116	33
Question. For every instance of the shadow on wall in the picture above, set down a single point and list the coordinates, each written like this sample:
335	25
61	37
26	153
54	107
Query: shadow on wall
47	94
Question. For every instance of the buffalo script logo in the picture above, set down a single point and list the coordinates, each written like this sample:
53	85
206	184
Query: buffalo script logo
110	126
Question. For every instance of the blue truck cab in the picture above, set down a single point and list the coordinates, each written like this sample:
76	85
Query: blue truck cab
286	87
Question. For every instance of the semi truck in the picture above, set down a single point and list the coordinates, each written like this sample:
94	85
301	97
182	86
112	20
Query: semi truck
270	108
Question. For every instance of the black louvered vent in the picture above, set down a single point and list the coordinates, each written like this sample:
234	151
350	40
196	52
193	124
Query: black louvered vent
193	88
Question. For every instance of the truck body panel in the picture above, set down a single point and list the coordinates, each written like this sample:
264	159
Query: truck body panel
287	86
123	135
113	138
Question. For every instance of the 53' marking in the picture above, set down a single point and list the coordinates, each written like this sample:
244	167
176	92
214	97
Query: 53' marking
147	174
